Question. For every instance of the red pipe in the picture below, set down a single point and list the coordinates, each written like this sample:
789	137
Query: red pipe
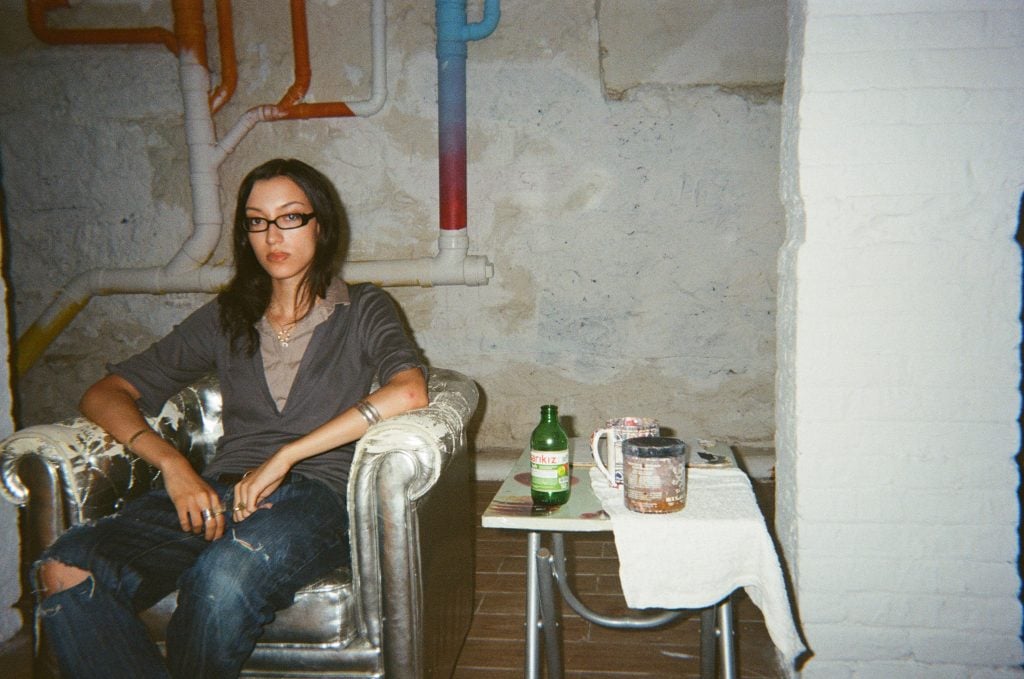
38	9
228	65
300	50
290	106
190	29
190	33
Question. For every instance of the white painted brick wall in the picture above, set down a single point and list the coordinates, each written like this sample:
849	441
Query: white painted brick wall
899	326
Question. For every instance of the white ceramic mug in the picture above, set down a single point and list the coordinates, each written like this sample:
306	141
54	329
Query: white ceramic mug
616	431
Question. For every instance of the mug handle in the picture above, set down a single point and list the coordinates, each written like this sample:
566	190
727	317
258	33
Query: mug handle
596	452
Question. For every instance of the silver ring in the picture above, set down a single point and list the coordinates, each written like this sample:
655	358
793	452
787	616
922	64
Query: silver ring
206	514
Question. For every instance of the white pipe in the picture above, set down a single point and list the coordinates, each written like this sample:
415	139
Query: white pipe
242	126
379	74
153	280
185	272
203	161
452	265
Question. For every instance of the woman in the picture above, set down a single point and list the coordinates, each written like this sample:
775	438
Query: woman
295	350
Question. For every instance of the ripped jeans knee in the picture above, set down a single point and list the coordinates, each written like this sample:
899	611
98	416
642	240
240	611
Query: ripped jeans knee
50	603
54	600
94	635
53	576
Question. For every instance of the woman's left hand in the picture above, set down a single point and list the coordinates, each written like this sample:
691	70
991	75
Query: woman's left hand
252	491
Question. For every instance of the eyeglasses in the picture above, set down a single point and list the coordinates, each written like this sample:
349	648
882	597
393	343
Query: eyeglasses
292	220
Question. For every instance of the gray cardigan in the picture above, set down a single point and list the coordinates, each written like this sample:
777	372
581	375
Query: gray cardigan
360	340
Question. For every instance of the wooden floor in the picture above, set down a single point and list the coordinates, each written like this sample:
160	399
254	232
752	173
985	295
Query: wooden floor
495	646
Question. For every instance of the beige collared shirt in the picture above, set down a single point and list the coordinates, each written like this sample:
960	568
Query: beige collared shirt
281	362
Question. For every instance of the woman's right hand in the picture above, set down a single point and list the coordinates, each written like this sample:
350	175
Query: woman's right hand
112	404
193	497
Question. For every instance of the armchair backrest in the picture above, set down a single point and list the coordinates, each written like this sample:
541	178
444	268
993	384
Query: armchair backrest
191	420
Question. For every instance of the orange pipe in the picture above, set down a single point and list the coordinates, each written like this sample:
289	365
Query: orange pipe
327	109
300	50
37	10
228	64
190	29
290	108
190	33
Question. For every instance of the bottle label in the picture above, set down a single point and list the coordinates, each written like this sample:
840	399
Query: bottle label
549	470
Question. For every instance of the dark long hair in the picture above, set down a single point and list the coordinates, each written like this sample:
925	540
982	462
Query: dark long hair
244	301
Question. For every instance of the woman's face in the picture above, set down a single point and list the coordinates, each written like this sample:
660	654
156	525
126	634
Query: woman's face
285	254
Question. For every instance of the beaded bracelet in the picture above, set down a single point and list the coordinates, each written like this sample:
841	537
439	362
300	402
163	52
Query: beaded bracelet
369	413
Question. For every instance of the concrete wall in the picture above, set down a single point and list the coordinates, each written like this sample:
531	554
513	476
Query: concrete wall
623	172
633	226
899	333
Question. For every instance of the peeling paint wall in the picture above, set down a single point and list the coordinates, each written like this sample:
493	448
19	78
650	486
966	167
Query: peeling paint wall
623	179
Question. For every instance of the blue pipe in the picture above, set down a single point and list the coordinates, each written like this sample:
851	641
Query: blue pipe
452	35
452	30
487	24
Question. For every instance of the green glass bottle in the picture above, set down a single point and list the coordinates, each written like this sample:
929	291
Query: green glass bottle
549	460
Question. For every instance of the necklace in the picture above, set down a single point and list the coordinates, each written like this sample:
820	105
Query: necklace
284	335
283	330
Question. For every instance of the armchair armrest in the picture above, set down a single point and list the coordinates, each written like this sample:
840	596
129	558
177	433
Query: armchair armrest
78	472
93	471
410	509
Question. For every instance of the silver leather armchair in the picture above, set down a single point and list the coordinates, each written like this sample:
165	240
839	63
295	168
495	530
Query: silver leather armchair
404	607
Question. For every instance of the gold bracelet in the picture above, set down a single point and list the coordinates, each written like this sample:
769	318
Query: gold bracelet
131	439
369	413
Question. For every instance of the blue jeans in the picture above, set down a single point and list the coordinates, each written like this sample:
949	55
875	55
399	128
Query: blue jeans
228	589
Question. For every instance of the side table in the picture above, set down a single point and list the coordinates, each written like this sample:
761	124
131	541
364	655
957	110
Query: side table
513	508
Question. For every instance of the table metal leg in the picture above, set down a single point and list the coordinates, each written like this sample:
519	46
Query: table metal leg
708	642
612	622
549	616
726	642
532	660
544	569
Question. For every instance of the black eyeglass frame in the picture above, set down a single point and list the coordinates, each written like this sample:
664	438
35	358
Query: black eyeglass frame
306	217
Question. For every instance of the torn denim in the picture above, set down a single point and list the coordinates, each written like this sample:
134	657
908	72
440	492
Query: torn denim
228	589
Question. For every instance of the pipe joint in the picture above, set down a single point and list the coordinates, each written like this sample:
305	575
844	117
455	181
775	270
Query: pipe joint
486	26
452	30
476	270
454	266
453	240
452	49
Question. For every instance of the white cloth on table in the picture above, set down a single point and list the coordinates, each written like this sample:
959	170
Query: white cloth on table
697	556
